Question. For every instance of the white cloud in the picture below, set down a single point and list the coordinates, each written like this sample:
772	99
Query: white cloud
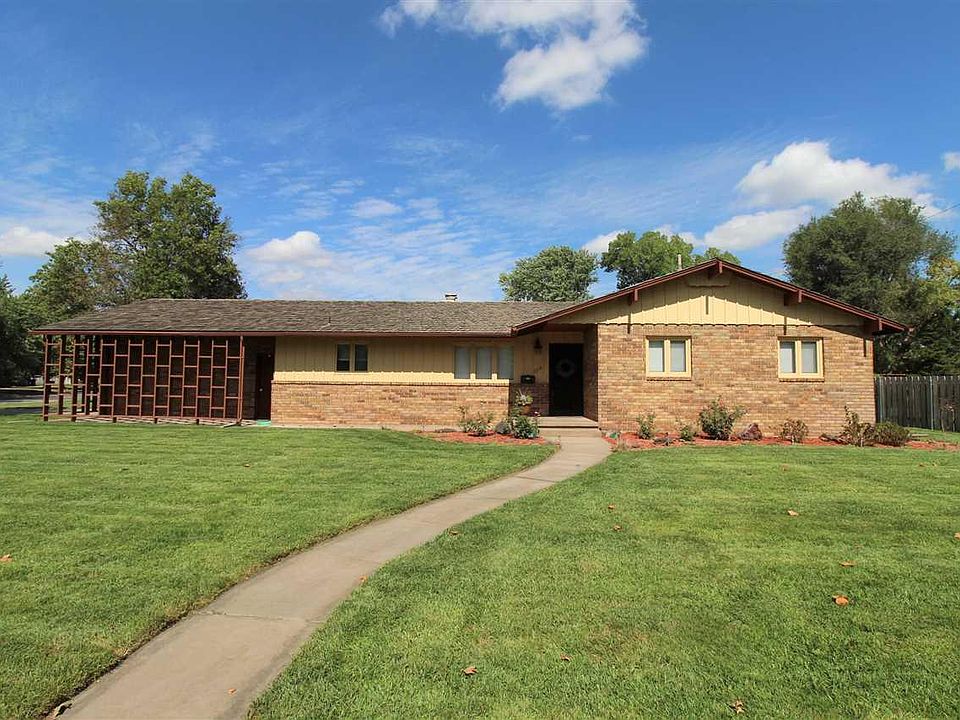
22	241
951	161
374	208
600	242
426	208
577	45
806	172
743	232
302	249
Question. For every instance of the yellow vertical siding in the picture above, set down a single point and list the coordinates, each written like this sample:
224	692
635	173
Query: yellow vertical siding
695	300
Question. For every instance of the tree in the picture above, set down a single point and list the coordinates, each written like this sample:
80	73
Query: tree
18	362
168	242
651	255
77	277
555	273
884	256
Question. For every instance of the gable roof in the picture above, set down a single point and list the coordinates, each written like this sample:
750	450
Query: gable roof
308	317
879	324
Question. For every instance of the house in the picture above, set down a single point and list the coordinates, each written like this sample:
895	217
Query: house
667	346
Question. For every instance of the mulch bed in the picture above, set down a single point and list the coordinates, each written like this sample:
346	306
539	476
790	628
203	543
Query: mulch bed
633	442
489	438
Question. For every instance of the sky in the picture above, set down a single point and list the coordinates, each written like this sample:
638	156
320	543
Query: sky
401	150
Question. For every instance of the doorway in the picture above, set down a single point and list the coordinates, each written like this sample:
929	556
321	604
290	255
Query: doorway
566	379
264	378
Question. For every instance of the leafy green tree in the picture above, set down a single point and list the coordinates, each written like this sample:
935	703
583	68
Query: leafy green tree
555	273
635	259
18	360
77	277
168	242
884	256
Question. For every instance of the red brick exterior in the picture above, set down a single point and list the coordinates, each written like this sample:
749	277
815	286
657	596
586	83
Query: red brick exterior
739	363
385	403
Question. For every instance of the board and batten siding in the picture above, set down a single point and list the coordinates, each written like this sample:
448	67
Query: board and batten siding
722	300
407	360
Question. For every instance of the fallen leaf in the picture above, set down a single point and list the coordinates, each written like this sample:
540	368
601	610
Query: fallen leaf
841	600
454	532
565	658
956	536
738	707
784	467
847	563
6	558
232	690
611	506
61	709
472	670
617	527
792	513
363	579
246	464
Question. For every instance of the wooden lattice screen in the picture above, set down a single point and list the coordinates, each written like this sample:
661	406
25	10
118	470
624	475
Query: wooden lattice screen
144	376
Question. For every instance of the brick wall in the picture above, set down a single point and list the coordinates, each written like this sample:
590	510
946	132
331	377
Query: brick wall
385	403
590	372
739	363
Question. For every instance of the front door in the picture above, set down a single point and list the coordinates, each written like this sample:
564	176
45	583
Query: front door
566	379
264	376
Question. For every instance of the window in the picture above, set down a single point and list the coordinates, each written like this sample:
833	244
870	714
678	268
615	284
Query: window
668	357
484	363
801	358
360	358
343	357
505	363
461	363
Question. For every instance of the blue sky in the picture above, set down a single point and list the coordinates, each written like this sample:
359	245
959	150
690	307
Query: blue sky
401	150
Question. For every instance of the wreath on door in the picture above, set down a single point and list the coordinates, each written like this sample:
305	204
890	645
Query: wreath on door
565	368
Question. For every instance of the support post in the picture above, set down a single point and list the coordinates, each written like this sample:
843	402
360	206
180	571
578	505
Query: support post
240	390
45	410
61	373
74	379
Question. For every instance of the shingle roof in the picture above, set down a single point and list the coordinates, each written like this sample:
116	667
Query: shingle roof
269	317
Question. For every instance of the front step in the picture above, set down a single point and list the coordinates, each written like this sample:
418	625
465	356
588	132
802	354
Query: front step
572	421
551	433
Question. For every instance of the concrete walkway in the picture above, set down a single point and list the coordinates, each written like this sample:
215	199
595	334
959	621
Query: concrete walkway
216	661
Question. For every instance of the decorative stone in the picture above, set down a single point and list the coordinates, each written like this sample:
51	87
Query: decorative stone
751	433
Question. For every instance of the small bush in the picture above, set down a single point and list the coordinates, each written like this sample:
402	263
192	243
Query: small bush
794	430
476	424
645	426
717	420
855	432
889	433
687	432
525	428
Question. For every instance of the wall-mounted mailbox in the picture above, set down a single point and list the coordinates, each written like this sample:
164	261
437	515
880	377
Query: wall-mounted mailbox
527	379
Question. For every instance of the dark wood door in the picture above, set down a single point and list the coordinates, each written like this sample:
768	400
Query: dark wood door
566	379
264	376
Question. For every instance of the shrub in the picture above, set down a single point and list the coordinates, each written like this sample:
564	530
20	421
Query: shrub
645	426
889	433
687	432
855	432
717	420
794	430
476	424
525	427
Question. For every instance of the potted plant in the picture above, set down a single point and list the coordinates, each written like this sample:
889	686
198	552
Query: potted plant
522	403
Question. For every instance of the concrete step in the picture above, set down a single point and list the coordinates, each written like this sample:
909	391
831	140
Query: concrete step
557	421
566	432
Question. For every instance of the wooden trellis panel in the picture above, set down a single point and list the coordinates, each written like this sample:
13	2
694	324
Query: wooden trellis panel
145	376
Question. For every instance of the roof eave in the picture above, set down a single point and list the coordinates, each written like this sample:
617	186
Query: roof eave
716	267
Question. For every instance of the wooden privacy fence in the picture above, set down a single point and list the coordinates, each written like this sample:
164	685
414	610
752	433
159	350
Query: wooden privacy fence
927	401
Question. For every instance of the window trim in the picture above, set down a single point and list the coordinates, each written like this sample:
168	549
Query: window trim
798	373
667	342
351	357
471	351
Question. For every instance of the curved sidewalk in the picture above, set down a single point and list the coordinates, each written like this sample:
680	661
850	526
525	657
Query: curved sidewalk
216	661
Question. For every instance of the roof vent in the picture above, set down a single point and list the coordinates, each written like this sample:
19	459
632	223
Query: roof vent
450	297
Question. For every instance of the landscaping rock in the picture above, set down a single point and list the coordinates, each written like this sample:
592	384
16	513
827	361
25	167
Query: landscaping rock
751	433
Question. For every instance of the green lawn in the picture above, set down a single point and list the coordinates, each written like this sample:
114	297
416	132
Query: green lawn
710	593
926	434
115	531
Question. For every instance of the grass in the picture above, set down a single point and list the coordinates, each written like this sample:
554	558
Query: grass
710	593
115	531
941	435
